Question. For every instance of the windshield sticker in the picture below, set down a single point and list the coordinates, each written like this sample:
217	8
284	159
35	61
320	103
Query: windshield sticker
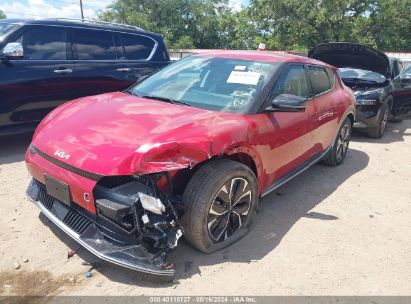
256	67
240	68
244	77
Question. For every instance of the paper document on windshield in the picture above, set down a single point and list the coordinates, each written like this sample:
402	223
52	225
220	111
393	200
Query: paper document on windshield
244	77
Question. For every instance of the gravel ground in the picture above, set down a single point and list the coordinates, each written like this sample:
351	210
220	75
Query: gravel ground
330	231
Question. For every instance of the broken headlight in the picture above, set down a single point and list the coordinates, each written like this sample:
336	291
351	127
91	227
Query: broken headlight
138	206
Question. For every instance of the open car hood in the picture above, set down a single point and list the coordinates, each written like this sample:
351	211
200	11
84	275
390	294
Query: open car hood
342	54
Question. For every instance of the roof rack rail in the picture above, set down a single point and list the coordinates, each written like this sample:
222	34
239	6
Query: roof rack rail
100	22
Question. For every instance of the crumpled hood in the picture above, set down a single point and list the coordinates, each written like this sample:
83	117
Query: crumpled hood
342	54
120	134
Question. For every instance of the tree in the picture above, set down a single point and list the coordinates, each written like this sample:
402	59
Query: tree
2	15
390	25
280	24
183	23
301	24
241	30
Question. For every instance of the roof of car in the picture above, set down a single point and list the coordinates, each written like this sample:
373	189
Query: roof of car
92	24
265	56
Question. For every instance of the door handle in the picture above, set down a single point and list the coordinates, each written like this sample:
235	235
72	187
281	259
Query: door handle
123	69
63	71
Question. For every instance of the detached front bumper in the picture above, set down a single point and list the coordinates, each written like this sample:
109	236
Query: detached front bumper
81	227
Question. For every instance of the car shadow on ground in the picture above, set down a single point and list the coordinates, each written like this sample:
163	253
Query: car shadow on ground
396	131
279	211
13	147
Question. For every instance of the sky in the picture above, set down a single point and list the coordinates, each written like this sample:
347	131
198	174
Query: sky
66	8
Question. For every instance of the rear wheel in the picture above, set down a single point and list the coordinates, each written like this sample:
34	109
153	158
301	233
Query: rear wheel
221	200
340	147
378	131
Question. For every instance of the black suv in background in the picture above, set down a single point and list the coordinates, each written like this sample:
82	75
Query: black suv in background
44	63
370	74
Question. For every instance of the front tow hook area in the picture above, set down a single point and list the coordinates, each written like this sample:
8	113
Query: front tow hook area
88	235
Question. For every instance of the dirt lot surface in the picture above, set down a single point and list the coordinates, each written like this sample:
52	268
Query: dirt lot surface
330	231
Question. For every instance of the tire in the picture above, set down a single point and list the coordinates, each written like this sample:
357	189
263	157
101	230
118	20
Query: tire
208	200
339	149
378	131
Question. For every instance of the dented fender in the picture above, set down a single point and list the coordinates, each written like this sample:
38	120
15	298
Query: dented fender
171	156
159	157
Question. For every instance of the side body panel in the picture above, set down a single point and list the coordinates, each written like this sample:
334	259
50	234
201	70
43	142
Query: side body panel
282	141
30	88
330	110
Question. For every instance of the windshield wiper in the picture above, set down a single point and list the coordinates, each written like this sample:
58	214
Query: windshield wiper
357	80
169	100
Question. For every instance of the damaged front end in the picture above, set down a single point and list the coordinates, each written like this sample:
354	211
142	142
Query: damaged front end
136	224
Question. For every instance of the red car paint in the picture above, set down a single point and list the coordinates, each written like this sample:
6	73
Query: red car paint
120	134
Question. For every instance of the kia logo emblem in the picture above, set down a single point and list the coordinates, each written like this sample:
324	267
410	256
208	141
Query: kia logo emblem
61	154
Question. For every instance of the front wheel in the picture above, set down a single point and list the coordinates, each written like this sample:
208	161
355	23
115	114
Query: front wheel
221	200
340	147
379	129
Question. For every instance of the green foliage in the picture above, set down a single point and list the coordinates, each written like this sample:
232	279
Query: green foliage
2	15
390	25
301	24
183	23
280	24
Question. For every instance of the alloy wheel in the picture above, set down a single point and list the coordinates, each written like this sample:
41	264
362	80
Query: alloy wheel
229	209
343	141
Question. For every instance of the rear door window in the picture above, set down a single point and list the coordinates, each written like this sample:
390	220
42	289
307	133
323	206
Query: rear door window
319	79
331	76
44	43
136	47
93	45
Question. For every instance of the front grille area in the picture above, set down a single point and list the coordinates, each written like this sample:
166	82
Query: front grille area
67	215
86	174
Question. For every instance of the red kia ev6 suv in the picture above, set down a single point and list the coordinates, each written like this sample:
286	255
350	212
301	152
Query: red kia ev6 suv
188	151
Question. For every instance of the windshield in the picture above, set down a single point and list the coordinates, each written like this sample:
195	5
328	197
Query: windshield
5	28
406	70
348	74
217	84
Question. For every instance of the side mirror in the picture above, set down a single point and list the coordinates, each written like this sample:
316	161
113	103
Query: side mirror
287	103
13	50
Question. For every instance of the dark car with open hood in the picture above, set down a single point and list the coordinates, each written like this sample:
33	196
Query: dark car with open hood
372	76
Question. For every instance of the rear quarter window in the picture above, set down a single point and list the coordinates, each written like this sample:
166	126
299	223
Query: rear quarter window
136	47
319	79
